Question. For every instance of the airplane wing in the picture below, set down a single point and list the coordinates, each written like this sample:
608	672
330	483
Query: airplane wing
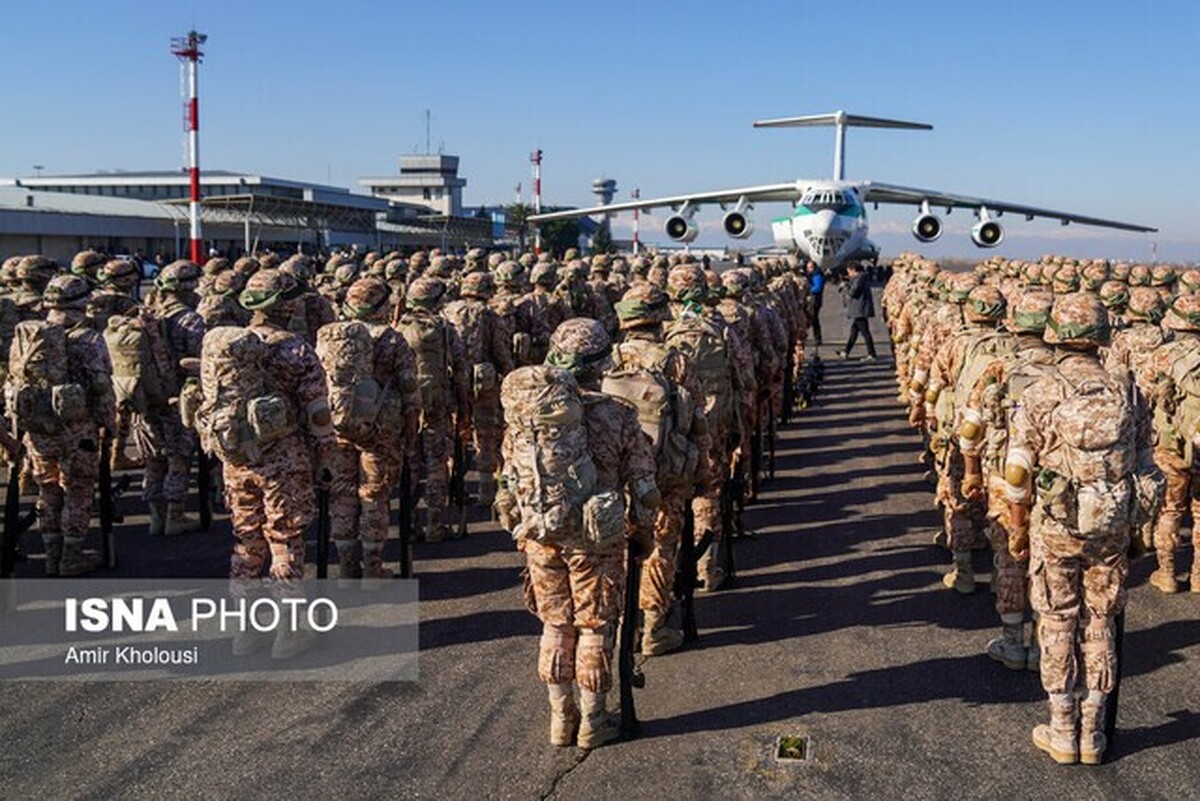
753	194
873	192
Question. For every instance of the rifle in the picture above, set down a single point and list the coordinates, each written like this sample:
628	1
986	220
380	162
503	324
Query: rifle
204	489
323	527
107	503
630	675
756	455
789	387
686	580
407	503
771	437
1114	697
729	523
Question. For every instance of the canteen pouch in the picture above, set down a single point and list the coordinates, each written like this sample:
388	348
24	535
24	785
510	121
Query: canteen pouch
270	418
69	402
484	380
604	519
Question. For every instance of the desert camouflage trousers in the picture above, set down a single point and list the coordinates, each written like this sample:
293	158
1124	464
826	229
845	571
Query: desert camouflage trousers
658	570
577	594
1077	587
65	468
487	429
706	505
1011	577
1182	491
166	446
434	448
271	505
360	493
962	519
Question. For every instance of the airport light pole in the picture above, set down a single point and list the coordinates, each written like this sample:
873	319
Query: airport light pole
535	158
636	194
188	49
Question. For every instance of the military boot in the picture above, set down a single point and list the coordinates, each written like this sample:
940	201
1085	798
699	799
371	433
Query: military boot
961	577
74	562
158	518
1058	739
53	543
1092	741
1164	578
349	568
564	714
290	644
372	561
432	528
1009	647
597	726
178	521
658	638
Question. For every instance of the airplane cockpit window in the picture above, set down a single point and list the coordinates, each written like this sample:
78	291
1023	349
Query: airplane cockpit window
821	200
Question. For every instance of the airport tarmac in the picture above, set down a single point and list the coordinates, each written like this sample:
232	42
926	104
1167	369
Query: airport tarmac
838	630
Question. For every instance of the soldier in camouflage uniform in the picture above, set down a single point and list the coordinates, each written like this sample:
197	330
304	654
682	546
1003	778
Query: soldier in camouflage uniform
166	444
1078	455
577	585
362	478
442	378
547	308
487	348
86	264
313	310
513	306
642	313
220	306
983	439
33	274
116	280
66	462
1171	372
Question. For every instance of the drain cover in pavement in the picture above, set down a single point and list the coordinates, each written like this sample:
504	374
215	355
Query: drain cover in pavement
791	748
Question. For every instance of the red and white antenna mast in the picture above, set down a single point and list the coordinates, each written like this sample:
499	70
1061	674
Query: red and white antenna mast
636	195
188	49
535	158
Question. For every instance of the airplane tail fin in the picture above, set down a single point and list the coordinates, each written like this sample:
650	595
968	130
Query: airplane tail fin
841	120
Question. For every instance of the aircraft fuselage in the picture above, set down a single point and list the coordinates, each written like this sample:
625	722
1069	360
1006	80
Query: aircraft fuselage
828	225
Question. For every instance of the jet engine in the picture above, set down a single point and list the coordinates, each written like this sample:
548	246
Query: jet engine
987	234
682	228
927	228
737	224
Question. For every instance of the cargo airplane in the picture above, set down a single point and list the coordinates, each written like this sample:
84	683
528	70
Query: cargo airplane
828	222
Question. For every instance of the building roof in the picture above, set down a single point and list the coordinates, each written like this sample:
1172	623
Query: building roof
27	200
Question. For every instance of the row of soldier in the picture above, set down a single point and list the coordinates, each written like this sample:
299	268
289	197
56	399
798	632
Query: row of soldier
370	371
1059	400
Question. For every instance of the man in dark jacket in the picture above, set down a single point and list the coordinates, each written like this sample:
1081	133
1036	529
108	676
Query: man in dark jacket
859	308
816	294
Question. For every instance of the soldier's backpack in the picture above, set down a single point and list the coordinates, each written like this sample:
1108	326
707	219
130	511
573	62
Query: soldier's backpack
664	410
705	346
550	471
429	337
238	416
364	412
144	380
10	315
468	319
1086	481
980	352
43	397
1177	415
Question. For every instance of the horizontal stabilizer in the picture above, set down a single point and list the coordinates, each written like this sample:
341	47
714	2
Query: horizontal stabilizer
841	118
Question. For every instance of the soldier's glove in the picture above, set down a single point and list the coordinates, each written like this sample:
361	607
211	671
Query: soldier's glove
972	487
1018	544
324	468
916	416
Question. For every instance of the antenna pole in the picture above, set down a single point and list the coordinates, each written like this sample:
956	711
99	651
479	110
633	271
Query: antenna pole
839	148
188	49
636	194
536	159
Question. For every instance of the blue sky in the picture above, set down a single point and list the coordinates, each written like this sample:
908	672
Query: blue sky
1083	106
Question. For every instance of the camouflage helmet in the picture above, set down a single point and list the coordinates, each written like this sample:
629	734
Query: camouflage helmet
418	259
1066	280
1031	312
1094	275
1119	272
346	273
960	286
227	284
1048	270
657	276
578	344
510	274
440	267
36	268
1146	304
335	261
545	257
86	263
246	265
600	266
1078	318
477	285
620	266
371	258
570	254
298	267
1184	314
642	305
929	271
66	292
115	271
365	298
736	282
686	283
1032	273
984	304
266	289
425	293
1139	275
494	260
178	276
395	269
1114	295
1189	282
476	254
216	265
269	260
527	260
545	274
1163	275
639	266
